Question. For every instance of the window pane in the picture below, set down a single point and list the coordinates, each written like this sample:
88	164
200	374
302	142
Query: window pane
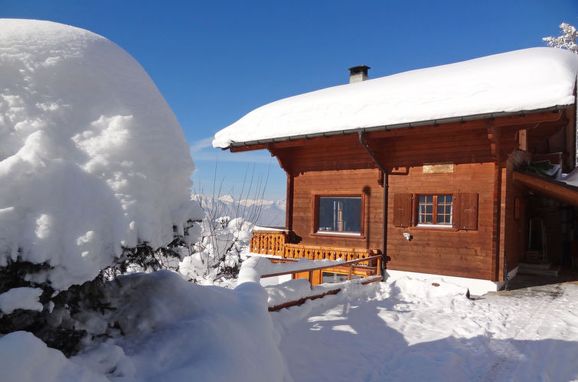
425	209
444	209
339	214
329	277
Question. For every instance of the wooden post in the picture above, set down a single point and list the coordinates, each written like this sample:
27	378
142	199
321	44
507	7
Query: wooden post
289	202
494	137
570	160
523	140
378	267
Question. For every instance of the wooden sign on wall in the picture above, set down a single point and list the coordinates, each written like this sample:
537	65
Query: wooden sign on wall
446	168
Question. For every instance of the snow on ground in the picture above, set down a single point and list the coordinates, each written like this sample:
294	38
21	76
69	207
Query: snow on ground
294	290
406	330
173	330
410	330
521	80
24	358
91	156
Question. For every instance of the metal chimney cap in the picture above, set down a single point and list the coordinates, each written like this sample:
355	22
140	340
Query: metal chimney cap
359	69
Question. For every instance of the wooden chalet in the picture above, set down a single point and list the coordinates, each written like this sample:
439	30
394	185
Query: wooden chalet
438	179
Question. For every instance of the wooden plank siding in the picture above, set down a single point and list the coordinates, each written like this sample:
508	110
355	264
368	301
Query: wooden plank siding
446	251
345	182
339	165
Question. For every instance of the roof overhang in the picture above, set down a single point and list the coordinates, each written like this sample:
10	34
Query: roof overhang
548	187
498	118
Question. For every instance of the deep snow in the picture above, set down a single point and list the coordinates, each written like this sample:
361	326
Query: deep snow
173	331
521	80
406	330
410	330
91	156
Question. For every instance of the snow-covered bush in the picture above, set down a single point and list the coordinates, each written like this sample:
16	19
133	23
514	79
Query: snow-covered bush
217	254
94	169
172	330
144	258
567	39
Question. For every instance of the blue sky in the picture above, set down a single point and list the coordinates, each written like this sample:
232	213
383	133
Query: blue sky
214	61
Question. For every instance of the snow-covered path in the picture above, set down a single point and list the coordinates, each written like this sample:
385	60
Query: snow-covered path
413	331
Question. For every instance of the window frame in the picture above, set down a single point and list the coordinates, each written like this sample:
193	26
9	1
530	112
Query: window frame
340	235
434	214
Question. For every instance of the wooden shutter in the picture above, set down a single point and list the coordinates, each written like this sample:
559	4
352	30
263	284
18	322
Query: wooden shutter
465	211
402	210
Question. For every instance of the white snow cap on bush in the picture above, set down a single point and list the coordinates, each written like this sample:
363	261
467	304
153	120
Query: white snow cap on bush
91	156
20	298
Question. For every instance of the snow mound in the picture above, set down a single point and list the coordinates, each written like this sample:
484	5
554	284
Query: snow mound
91	156
178	331
522	80
23	357
172	331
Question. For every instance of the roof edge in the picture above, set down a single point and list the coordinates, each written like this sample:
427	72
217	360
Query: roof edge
432	122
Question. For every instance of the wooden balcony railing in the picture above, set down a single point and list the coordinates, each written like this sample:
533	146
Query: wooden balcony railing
269	242
297	251
277	243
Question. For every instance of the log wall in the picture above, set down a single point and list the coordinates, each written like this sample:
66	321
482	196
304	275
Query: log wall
339	165
363	182
444	250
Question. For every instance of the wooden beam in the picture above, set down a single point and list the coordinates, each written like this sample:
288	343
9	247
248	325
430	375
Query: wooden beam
549	187
238	149
428	129
493	137
289	202
523	119
283	162
494	134
570	160
523	140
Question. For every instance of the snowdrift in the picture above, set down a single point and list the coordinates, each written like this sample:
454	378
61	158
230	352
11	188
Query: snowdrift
91	156
174	331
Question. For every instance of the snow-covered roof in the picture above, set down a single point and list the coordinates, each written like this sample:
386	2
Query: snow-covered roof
522	80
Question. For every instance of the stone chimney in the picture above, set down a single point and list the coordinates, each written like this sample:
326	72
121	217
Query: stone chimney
358	73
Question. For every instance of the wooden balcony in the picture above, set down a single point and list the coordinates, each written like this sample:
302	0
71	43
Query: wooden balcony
278	243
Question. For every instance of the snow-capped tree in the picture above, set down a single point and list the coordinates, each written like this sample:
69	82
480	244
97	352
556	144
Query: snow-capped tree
566	40
94	173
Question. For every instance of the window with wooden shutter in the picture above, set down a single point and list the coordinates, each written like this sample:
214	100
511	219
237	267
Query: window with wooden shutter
466	211
434	210
402	210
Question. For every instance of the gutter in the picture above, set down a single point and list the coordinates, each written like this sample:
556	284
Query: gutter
434	122
384	174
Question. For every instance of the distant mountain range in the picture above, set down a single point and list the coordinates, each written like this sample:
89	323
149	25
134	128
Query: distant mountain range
270	213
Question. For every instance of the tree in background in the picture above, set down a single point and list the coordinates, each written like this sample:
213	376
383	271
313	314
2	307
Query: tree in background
566	40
